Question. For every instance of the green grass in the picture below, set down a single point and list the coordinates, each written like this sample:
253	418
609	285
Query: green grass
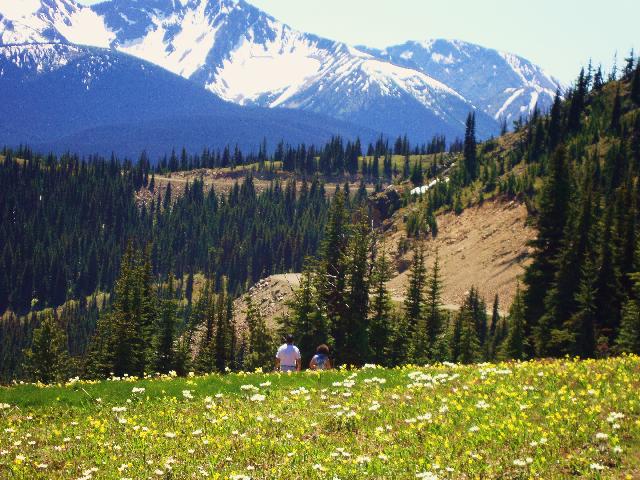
550	419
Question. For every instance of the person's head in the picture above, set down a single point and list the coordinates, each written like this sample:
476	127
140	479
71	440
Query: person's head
322	350
289	339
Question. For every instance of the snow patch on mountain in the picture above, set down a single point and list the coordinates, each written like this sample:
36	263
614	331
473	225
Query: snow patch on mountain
279	68
17	9
418	84
188	49
439	58
501	84
45	21
84	27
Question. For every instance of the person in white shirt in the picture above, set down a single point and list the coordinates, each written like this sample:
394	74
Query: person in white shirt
288	358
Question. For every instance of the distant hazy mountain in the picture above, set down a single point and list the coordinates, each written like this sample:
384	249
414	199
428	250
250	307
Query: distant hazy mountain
500	84
90	100
247	57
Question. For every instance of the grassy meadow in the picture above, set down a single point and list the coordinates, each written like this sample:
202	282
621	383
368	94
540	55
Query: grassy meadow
539	419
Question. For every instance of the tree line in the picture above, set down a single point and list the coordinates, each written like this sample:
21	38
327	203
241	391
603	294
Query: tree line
578	169
343	300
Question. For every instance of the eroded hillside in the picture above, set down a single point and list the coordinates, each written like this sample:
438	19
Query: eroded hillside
485	246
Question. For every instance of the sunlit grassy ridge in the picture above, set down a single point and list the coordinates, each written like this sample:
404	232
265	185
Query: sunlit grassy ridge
553	419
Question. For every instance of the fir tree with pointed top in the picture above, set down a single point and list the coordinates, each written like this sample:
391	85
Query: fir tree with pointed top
576	106
355	323
417	177
598	79
380	320
332	269
469	348
165	341
306	320
493	328
551	222
581	327
406	168
635	85
470	162
222	329
628	340
514	345
47	359
616	113
414	298
260	351
629	64
555	122
433	304
607	299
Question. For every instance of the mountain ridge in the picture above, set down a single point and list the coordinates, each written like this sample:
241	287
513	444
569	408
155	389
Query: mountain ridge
241	54
123	104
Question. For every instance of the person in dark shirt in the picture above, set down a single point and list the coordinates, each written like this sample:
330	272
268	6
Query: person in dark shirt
321	360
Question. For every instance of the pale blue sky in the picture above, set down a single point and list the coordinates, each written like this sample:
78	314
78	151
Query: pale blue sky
559	35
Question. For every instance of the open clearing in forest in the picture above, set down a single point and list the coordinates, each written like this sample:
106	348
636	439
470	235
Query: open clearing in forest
539	419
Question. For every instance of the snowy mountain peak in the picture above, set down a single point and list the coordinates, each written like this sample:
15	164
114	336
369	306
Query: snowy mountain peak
245	56
501	84
45	21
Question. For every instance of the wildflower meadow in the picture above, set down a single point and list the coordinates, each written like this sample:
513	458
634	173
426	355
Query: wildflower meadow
539	419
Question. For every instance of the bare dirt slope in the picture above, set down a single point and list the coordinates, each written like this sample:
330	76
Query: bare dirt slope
270	295
485	246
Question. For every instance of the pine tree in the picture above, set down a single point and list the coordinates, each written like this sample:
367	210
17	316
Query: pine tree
561	301
406	168
188	289
260	352
493	329
414	307
128	342
204	314
147	315
457	204
99	358
47	359
221	352
434	304
331	272
629	64
581	326
166	201
468	348
635	85
417	177
598	79
628	340
306	320
608	289
471	167
577	102
165	341
355	323
400	351
616	113
514	345
380	320
555	122
551	222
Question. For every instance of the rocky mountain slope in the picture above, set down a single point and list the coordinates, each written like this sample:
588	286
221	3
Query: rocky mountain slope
59	97
485	246
247	57
500	84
